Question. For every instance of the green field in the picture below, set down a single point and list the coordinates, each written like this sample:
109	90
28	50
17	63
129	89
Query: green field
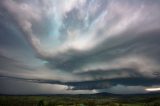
79	100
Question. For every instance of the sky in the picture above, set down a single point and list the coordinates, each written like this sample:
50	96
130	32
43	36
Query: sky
79	46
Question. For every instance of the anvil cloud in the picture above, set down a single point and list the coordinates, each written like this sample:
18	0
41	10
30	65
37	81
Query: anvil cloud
79	46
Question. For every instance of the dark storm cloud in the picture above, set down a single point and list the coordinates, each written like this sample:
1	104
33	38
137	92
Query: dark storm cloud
108	83
142	44
102	74
105	84
95	84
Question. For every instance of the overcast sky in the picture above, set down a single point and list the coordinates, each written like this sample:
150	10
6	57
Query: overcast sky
79	46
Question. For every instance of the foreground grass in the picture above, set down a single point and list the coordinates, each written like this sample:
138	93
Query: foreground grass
78	100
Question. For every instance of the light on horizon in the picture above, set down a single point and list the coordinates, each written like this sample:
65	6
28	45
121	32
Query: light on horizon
153	89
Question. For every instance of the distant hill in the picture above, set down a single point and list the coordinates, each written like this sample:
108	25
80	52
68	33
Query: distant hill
96	94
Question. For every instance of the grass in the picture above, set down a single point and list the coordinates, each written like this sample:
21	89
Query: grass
79	100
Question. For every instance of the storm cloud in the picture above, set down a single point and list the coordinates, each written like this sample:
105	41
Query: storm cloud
79	45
